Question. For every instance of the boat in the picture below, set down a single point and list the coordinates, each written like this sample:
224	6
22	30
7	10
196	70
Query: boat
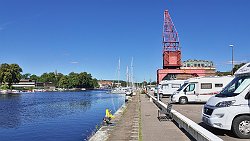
129	89
119	90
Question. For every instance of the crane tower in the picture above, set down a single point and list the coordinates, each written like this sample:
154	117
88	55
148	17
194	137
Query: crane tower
172	65
171	44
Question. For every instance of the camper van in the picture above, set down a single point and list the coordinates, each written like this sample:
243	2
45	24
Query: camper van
230	109
168	87
199	89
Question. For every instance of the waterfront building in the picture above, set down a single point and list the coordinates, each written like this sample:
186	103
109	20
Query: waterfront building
25	83
198	63
105	84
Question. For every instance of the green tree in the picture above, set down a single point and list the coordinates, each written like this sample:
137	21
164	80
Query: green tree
237	66
74	81
58	77
48	77
218	73
95	83
10	74
26	76
34	77
63	82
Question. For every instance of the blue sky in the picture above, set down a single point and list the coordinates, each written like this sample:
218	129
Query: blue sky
91	35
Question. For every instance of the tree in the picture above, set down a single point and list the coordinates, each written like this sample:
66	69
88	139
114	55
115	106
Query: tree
218	73
95	83
58	77
26	76
74	81
10	74
48	77
34	77
237	66
63	82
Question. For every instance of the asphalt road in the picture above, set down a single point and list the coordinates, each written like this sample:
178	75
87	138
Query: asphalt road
193	112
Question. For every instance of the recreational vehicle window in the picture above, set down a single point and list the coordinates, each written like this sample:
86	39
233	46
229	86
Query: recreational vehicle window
218	85
206	85
176	85
164	86
190	87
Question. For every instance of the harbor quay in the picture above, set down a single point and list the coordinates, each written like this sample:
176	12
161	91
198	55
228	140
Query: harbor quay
138	120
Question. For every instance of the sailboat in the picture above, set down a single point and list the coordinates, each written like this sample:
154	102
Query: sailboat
119	89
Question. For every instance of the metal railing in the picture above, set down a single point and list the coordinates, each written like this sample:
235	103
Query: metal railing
196	131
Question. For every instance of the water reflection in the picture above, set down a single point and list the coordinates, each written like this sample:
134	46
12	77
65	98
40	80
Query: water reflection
66	115
31	107
10	111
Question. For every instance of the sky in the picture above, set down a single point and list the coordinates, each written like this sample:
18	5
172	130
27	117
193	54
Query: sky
91	35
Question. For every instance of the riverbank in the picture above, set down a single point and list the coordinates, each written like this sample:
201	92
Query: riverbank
104	131
125	124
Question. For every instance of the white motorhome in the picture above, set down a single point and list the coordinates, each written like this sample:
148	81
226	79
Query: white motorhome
200	89
168	87
230	109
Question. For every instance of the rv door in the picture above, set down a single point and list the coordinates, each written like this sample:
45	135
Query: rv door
190	92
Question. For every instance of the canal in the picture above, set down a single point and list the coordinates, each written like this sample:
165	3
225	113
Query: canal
54	116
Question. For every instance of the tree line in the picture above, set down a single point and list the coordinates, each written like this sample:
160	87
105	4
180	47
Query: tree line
235	68
11	73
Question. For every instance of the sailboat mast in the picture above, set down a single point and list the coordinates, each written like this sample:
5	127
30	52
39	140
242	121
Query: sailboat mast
131	73
119	65
127	74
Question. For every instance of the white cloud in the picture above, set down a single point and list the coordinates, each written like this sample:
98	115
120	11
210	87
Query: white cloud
74	62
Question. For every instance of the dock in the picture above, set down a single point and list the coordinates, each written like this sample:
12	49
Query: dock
139	122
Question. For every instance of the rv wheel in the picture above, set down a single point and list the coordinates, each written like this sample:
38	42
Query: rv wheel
183	100
241	127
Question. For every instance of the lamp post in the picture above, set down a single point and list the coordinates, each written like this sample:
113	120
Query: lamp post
232	57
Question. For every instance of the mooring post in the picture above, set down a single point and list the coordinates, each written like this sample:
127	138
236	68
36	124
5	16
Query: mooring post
158	97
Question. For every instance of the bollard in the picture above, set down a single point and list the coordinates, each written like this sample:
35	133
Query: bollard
150	99
158	96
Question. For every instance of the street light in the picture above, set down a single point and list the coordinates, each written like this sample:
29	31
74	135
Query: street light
232	57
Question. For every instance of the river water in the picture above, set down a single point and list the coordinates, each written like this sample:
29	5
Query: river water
54	116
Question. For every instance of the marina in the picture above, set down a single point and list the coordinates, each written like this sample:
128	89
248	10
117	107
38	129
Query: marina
109	70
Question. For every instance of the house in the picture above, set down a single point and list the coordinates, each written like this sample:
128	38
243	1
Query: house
25	83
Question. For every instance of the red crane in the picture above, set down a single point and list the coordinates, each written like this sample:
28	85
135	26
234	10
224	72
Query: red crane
172	56
171	44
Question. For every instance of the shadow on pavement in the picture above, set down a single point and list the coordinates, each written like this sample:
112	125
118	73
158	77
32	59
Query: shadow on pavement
216	131
185	132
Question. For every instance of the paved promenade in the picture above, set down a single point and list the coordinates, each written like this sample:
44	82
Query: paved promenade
155	130
127	129
127	125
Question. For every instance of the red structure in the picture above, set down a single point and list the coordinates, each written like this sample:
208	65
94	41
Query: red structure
171	44
172	65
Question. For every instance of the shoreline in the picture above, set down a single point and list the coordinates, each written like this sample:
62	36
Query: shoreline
103	133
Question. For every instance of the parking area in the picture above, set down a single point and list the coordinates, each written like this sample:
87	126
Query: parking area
193	111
